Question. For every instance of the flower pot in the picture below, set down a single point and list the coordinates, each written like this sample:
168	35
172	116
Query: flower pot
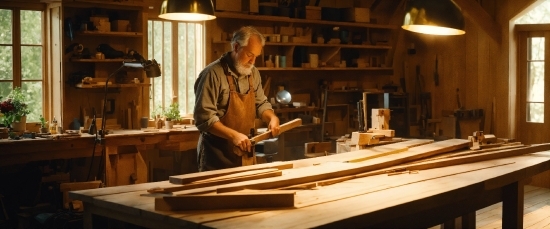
20	126
168	124
43	130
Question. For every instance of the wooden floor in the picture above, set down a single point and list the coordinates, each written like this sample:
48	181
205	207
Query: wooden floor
536	211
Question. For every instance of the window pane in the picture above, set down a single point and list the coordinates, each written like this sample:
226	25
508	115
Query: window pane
184	54
33	96
31	27
5	88
156	53
535	112
536	48
535	90
31	63
167	58
6	62
5	26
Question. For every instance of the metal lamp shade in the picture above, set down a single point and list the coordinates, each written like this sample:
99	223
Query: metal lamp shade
437	17
187	10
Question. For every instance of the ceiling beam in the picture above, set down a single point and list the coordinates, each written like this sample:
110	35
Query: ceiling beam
478	15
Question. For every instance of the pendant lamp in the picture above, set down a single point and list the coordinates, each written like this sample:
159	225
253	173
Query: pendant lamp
437	17
187	10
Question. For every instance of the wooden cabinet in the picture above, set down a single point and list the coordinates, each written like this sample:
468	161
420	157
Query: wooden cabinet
362	46
79	28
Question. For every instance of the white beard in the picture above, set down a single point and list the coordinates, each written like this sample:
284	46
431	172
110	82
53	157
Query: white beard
243	70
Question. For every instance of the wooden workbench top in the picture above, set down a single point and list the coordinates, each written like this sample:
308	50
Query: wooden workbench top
65	146
361	202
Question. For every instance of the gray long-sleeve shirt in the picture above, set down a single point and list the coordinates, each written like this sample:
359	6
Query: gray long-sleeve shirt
212	94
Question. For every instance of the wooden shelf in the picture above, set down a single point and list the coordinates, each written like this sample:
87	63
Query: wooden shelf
93	60
325	69
382	47
110	34
300	21
295	109
80	85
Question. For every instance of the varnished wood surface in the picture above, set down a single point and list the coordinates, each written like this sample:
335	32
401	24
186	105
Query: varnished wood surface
67	146
363	202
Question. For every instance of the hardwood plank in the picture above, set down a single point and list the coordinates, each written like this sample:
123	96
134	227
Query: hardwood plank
316	173
188	178
264	199
232	178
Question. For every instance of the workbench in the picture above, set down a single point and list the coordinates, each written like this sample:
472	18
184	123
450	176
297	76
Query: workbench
123	147
423	199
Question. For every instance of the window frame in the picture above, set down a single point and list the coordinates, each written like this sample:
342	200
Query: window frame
16	45
200	63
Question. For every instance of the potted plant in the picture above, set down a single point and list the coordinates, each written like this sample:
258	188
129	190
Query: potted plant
43	125
171	114
14	110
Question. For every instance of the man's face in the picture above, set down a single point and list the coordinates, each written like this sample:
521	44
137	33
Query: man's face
246	55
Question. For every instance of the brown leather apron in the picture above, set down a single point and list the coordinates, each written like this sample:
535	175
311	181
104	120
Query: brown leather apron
217	152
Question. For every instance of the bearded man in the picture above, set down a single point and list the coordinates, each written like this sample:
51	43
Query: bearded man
228	98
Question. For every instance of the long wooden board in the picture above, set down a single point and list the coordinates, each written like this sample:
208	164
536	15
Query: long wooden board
431	164
282	128
265	199
188	178
316	173
232	178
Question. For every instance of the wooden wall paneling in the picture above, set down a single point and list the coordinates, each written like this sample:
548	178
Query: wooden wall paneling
480	17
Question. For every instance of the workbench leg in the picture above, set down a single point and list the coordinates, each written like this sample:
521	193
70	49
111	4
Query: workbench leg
87	218
512	205
469	220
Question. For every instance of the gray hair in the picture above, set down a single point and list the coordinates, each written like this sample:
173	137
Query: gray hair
242	35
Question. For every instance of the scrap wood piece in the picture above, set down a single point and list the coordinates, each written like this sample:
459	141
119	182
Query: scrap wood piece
231	178
362	138
264	199
317	173
188	178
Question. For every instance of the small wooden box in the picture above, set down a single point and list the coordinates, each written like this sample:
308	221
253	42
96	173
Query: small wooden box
356	14
120	26
313	12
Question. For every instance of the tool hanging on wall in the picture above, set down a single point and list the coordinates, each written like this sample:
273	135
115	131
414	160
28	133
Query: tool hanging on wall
361	126
418	89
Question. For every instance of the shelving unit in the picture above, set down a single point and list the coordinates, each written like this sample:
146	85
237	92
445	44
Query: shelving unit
68	19
329	53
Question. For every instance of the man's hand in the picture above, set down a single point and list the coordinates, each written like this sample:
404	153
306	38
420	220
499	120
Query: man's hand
274	126
242	141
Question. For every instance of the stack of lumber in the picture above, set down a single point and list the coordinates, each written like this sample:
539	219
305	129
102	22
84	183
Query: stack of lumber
292	184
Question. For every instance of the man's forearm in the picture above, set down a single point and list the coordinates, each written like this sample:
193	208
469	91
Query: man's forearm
223	131
267	115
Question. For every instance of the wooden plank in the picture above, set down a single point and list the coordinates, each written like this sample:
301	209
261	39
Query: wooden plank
360	153
361	138
253	175
188	178
269	199
282	128
316	173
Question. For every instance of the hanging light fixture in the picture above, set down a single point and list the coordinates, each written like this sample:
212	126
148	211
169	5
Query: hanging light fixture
187	10
437	17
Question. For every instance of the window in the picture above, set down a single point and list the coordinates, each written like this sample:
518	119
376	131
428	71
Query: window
179	48
535	79
22	56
